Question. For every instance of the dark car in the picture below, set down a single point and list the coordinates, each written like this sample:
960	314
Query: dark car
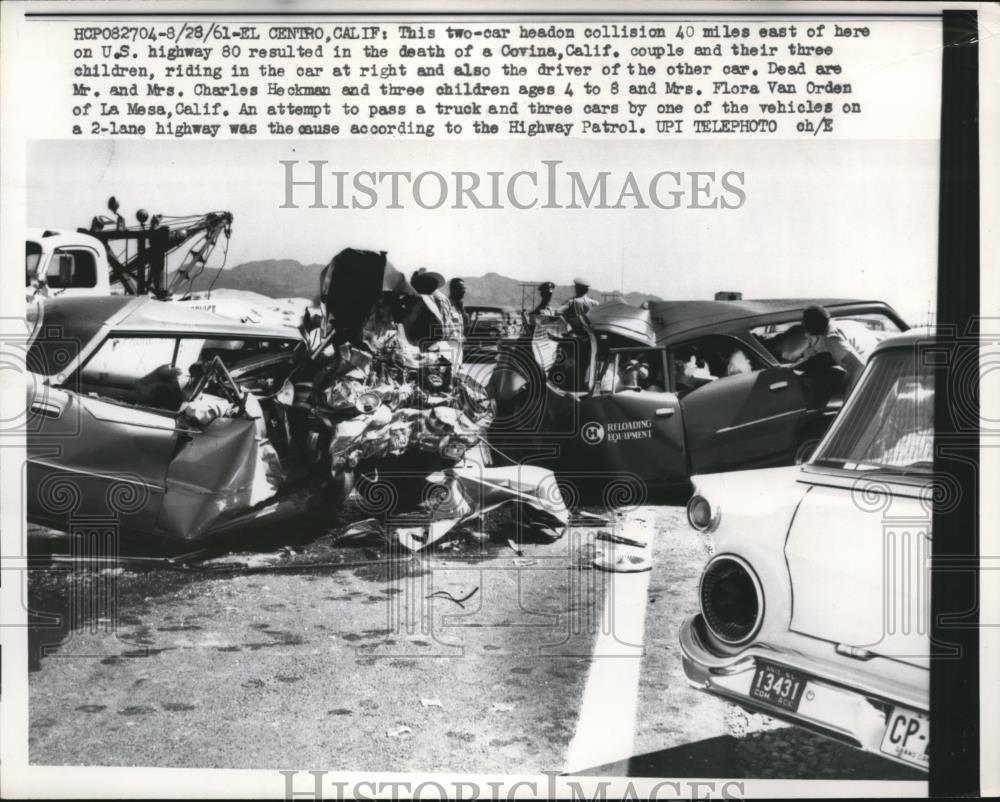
487	326
650	396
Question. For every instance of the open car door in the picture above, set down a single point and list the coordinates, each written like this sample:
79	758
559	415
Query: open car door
630	428
744	420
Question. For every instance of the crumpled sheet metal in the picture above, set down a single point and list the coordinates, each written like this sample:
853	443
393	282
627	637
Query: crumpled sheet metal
469	491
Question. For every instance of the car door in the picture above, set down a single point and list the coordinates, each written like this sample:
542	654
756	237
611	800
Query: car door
744	420
90	457
749	418
872	538
631	430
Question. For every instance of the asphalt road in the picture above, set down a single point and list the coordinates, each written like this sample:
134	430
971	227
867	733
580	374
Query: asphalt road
467	659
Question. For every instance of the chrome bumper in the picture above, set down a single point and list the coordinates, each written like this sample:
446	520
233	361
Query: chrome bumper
826	707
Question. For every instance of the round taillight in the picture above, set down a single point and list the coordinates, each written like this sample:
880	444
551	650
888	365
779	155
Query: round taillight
732	603
699	513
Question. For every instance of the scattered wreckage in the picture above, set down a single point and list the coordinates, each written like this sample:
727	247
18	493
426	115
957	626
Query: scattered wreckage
847	536
631	398
182	425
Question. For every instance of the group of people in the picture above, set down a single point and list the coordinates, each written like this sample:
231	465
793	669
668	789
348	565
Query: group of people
439	316
574	308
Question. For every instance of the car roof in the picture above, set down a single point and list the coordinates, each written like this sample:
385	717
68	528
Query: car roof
51	238
154	315
911	338
675	317
85	316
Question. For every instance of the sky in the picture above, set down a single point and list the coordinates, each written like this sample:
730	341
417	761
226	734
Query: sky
822	217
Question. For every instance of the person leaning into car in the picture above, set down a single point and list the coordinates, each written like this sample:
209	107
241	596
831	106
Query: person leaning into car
823	336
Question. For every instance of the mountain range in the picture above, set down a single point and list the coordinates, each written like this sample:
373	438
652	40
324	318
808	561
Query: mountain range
287	277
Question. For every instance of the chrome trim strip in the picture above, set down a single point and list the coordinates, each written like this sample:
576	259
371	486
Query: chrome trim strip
760	420
66	469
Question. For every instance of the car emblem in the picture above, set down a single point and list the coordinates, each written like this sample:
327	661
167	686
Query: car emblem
592	433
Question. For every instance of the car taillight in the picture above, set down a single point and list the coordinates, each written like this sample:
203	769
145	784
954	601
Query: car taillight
701	515
732	602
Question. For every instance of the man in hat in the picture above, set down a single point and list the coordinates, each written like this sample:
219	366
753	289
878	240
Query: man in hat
580	304
544	308
433	318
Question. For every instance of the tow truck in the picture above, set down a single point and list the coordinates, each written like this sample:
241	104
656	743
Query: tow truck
113	258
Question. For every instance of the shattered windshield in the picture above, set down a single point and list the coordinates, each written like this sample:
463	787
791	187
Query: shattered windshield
889	425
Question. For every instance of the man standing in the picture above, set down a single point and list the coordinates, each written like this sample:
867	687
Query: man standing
580	304
544	308
456	294
433	319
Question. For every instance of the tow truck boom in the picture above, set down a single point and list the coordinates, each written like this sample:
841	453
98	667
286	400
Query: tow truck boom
145	271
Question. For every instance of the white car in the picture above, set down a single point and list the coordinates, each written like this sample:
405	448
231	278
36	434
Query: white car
815	606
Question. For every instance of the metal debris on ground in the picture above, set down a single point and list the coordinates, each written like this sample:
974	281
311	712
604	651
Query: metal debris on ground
431	703
502	707
399	732
443	594
623	563
582	518
625	541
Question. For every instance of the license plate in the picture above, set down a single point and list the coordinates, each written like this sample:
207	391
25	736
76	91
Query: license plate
907	736
778	686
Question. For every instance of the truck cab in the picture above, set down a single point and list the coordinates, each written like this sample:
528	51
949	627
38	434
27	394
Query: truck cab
64	264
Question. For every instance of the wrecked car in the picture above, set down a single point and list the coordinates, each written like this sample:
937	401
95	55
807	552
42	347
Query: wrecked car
108	434
654	395
487	327
183	425
815	604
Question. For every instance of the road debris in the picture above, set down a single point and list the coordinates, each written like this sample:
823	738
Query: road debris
399	732
431	703
502	707
625	541
623	563
443	594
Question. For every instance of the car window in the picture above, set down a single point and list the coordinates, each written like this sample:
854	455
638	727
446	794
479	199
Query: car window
232	351
632	369
122	361
706	359
32	255
864	330
890	421
72	268
237	353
